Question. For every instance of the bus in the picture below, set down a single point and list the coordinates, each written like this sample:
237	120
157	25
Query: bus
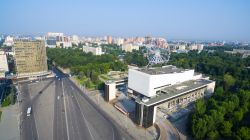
29	111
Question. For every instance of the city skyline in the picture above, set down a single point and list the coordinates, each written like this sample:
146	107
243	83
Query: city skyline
191	20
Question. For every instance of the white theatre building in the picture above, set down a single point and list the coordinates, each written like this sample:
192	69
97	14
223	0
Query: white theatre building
173	86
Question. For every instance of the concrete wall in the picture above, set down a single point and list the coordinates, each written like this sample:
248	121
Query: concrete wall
146	84
210	88
168	79
112	91
139	82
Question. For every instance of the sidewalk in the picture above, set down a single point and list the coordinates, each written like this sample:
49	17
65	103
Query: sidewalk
124	122
168	130
9	123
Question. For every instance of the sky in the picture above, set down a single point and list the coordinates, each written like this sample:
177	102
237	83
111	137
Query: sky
171	19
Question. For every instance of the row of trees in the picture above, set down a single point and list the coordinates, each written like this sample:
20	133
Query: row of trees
228	70
136	57
226	114
10	95
86	66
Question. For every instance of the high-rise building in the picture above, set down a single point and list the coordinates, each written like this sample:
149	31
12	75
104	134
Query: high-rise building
75	39
119	41
57	40
3	64
109	39
9	41
30	58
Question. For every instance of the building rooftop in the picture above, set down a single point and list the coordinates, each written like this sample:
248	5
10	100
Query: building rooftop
27	40
176	90
162	70
114	76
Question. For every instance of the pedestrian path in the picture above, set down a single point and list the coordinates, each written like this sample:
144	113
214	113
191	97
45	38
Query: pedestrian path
9	129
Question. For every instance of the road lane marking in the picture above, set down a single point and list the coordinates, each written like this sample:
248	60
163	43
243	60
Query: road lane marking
32	133
74	120
65	111
78	93
106	119
35	125
85	119
113	133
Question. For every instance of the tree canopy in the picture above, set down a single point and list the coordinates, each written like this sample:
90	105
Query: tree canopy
226	114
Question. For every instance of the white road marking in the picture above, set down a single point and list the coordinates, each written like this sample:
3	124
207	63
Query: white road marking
84	119
35	125
53	116
65	111
77	128
93	109
32	83
113	133
99	114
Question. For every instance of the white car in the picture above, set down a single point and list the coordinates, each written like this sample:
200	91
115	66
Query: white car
29	111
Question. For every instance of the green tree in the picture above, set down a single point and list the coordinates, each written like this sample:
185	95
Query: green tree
211	123
225	128
238	116
199	128
244	133
213	135
217	116
229	81
200	107
212	104
229	106
219	92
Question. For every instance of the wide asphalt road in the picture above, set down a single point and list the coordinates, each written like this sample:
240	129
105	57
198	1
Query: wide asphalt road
78	118
74	115
28	129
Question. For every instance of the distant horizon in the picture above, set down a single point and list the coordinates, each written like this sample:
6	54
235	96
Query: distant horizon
181	20
93	36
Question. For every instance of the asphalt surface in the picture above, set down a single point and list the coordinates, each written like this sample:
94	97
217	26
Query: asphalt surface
59	130
75	116
27	123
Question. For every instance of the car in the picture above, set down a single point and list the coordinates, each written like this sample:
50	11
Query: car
29	111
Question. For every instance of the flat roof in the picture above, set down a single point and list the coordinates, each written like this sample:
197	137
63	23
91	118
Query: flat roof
176	90
162	70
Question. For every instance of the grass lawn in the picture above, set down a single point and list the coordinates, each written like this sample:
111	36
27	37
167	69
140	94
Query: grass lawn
6	102
103	77
84	81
